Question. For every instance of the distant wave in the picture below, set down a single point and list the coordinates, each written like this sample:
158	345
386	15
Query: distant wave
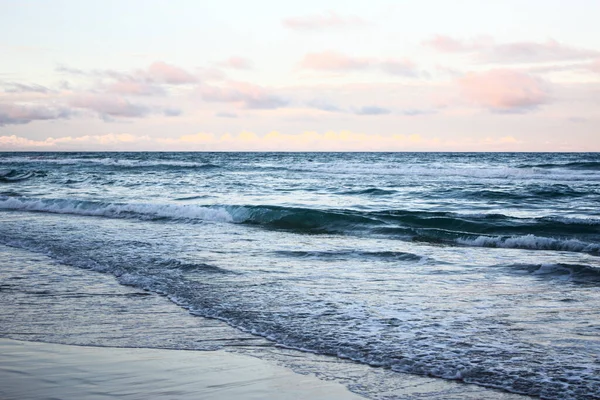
112	162
453	171
572	171
555	191
370	192
578	165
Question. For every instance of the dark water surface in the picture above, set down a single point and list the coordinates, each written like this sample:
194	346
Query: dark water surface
482	268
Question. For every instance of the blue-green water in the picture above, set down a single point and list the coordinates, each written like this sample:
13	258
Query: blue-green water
476	267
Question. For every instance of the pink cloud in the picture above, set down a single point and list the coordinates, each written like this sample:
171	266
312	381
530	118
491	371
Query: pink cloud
595	66
504	90
225	114
237	63
248	95
170	74
403	67
109	107
16	87
551	50
158	72
327	20
334	61
108	141
372	110
134	88
13	114
447	44
486	50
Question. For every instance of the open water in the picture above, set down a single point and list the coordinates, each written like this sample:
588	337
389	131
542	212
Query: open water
480	268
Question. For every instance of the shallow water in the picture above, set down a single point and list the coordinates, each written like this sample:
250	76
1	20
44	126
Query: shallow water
475	267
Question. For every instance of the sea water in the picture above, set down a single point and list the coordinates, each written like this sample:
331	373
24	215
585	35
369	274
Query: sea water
477	267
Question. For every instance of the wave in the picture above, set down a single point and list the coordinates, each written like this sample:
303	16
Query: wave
13	175
111	162
117	210
370	192
413	168
491	173
578	273
478	230
532	242
196	197
537	193
10	193
578	165
193	267
344	254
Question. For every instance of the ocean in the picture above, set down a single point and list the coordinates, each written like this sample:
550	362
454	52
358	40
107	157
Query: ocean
481	268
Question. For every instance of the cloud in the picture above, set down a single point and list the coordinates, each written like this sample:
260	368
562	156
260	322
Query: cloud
323	105
334	61
15	87
70	70
166	73
577	120
15	114
158	72
109	107
447	44
328	20
417	112
402	67
17	142
525	52
504	90
135	88
69	142
305	141
486	50
343	140
210	74
237	63
171	112
225	114
595	66
248	95
372	110
112	106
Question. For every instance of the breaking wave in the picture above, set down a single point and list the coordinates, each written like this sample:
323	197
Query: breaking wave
477	230
14	175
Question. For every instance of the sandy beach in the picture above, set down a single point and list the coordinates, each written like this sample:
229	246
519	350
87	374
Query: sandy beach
51	371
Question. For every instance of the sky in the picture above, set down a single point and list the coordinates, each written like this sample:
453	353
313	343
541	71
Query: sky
404	75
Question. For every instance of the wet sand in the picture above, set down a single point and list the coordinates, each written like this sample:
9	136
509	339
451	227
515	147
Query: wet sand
31	370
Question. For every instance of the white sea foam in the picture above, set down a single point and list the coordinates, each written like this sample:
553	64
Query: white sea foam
116	210
104	161
485	172
531	242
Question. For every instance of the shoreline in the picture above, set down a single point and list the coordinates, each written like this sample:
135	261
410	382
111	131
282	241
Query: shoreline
66	327
33	370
